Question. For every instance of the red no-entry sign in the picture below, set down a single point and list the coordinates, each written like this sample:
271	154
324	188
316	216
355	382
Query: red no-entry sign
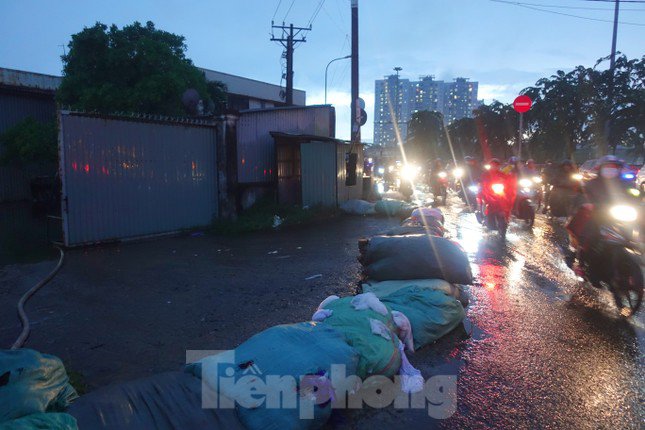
522	104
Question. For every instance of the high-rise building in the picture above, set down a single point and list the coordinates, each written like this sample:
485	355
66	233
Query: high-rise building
396	99
393	108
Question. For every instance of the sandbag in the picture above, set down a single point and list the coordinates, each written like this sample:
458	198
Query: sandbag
384	288
296	350
31	382
416	257
357	207
393	208
431	312
166	401
378	355
41	421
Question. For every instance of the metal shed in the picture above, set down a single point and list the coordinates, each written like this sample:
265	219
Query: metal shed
311	170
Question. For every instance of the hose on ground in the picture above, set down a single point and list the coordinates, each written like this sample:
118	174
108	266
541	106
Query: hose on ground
21	303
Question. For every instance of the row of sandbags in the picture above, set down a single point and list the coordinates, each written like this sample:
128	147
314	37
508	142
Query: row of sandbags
359	333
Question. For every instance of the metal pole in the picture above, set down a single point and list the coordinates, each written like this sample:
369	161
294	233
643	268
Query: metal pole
290	67
356	130
519	152
612	65
326	68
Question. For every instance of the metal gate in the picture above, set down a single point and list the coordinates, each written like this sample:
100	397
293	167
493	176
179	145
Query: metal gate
131	177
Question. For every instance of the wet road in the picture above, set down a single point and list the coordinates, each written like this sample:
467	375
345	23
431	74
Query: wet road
539	350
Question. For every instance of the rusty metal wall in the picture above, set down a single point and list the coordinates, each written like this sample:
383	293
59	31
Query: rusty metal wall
256	147
349	192
126	177
318	161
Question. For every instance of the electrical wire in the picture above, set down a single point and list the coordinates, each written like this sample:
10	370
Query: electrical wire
276	10
26	328
288	10
573	7
316	12
565	14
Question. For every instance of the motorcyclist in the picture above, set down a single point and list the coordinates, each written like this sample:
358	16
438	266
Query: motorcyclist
565	187
600	193
496	175
529	169
435	181
472	170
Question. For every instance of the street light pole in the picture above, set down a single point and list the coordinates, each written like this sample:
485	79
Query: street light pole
327	68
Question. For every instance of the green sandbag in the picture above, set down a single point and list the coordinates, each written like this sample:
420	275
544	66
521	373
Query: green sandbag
378	356
307	348
32	382
384	288
41	421
432	313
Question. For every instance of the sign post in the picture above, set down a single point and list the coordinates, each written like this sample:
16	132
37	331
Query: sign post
521	104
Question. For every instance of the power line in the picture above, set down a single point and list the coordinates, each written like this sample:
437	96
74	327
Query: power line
316	12
276	10
573	7
565	14
288	10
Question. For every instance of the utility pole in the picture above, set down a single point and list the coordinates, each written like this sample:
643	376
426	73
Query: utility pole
612	66
288	40
356	128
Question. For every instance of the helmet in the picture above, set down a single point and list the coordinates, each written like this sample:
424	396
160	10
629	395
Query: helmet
530	161
468	158
609	159
566	162
512	160
495	161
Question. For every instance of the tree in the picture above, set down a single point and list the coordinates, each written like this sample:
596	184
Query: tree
464	139
29	142
133	69
497	129
426	136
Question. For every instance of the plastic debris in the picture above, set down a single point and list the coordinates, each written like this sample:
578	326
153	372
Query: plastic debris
368	301
319	275
321	315
277	221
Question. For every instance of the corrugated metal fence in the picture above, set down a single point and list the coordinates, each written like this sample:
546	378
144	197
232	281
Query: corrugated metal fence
126	178
256	147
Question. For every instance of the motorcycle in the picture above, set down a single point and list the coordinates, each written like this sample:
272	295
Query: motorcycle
613	261
439	187
524	208
493	213
564	198
469	194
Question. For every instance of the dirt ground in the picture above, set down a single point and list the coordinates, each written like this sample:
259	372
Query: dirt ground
120	312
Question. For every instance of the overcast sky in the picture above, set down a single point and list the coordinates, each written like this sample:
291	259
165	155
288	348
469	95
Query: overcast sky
503	46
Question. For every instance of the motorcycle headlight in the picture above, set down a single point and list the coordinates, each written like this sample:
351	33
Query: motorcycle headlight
623	213
381	170
634	192
409	172
442	175
537	179
473	188
576	177
498	188
525	183
458	172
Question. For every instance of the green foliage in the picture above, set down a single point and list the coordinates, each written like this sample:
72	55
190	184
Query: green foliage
570	110
464	138
426	136
133	69
29	142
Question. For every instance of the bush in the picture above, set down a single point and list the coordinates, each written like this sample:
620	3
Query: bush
29	142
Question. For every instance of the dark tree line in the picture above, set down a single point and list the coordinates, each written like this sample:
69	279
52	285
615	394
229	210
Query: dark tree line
570	111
